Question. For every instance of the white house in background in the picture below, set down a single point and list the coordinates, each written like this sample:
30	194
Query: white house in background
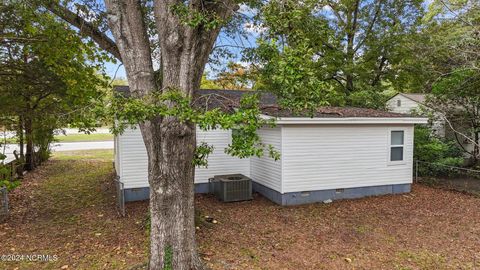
414	103
337	154
406	103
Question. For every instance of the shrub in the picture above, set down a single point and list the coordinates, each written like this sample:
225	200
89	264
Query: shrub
10	185
439	153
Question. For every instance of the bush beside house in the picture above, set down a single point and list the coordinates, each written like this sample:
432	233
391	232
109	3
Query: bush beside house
438	152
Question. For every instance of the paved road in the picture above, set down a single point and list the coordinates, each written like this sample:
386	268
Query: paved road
62	147
68	131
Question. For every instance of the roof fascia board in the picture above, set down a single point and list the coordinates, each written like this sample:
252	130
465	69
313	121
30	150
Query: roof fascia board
349	120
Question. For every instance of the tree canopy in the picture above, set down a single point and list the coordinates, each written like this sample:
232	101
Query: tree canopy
334	52
49	75
451	61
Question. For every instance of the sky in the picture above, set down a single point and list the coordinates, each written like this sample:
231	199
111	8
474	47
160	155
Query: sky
111	68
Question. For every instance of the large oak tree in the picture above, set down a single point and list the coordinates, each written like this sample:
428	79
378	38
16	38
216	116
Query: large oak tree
177	36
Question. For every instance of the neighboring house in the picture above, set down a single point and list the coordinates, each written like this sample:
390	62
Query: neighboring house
338	153
405	103
415	103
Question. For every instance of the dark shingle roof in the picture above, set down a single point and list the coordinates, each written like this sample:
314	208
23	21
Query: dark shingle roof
228	100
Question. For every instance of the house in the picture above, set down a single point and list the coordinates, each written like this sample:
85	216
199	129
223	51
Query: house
406	103
416	103
338	153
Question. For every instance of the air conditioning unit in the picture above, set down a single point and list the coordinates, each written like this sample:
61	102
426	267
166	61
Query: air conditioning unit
232	187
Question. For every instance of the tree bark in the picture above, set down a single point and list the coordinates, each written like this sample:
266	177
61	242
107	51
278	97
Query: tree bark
476	148
30	151
21	137
351	29
171	174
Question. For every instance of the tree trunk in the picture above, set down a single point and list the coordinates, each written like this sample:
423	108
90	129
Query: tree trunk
171	174
30	151
476	149
170	144
351	29
20	137
349	84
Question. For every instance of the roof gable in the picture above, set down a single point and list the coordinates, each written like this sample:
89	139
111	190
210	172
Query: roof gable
416	97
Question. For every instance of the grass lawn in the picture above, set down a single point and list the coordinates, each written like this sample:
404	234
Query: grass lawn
85	137
97	154
67	208
96	137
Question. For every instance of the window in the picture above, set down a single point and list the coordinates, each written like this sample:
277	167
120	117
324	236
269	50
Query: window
396	145
399	103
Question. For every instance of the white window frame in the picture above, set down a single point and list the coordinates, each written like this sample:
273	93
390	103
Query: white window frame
399	103
389	144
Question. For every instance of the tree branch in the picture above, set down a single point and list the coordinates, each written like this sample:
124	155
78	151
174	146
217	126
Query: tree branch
337	80
370	26
126	21
377	77
459	143
85	28
458	132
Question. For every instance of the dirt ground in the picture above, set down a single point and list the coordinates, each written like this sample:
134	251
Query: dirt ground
463	184
427	229
67	208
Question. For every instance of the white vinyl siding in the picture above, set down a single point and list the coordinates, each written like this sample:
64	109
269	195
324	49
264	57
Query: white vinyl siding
406	105
116	155
313	157
133	160
266	170
219	162
438	125
324	157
